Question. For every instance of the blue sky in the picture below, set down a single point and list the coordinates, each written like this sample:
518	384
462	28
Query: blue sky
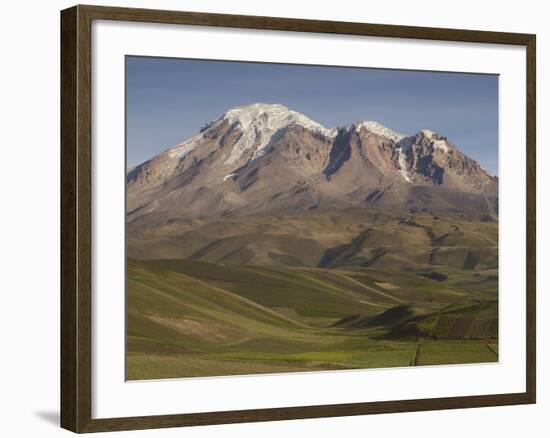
168	100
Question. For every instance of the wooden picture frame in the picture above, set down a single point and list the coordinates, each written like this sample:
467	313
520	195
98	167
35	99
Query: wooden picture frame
76	198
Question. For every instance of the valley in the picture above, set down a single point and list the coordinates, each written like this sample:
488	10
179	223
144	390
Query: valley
189	318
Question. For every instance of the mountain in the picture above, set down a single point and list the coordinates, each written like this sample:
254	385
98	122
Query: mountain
266	158
265	185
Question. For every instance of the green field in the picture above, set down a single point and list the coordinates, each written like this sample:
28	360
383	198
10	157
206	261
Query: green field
190	317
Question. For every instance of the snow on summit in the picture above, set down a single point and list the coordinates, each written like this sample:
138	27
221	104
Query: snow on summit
378	129
259	122
270	116
435	140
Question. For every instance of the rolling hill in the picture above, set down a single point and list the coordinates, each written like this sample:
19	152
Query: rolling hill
189	318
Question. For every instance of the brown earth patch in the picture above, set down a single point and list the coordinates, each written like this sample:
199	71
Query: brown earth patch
387	286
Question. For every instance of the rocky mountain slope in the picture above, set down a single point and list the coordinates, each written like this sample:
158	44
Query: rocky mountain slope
263	158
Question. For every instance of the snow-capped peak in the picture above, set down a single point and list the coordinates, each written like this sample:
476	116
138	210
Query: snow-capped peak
377	128
259	122
435	140
427	133
270	116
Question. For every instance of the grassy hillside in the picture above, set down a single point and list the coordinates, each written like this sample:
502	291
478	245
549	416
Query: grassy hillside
195	318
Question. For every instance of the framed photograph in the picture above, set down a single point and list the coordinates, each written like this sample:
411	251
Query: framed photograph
268	219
